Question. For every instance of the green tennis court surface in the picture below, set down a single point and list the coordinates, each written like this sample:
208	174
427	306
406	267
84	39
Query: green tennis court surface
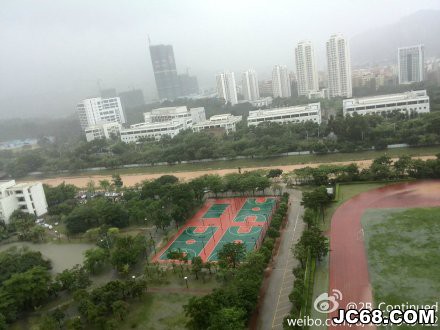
247	236
256	211
215	211
191	241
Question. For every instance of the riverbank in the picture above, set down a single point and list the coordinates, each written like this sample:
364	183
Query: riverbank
135	178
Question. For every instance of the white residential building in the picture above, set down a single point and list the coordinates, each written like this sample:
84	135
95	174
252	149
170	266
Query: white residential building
249	83
339	67
226	87
294	114
99	110
280	81
27	197
411	64
102	131
225	122
153	130
182	113
306	72
414	101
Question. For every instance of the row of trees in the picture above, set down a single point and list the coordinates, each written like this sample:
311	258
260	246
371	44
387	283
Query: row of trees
311	248
159	202
343	134
231	306
382	168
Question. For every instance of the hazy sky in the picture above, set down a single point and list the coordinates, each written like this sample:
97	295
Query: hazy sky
54	52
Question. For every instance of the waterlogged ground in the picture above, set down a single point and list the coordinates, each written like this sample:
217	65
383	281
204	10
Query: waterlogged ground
403	254
62	256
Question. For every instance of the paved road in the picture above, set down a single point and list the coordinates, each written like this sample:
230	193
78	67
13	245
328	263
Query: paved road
276	304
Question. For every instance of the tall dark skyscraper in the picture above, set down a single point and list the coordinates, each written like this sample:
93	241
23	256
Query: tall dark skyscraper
165	72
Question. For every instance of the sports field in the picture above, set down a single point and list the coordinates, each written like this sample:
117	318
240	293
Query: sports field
403	254
349	270
221	221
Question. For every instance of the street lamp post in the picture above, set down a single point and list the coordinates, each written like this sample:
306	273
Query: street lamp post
186	281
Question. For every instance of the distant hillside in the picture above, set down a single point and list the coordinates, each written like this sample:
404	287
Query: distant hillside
380	45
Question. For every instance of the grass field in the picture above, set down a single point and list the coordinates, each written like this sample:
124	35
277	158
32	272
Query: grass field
272	161
403	254
321	272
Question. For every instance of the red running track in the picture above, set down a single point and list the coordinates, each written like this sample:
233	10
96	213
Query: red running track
348	259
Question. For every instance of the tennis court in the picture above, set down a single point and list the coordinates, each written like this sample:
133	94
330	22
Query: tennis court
215	211
191	241
256	210
220	221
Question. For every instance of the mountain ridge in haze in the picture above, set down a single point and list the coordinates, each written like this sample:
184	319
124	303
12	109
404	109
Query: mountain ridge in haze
379	45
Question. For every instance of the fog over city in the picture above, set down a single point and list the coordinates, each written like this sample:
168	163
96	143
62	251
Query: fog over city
55	53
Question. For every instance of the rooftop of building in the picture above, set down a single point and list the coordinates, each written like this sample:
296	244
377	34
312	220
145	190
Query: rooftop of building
169	110
152	125
386	98
274	111
225	116
24	185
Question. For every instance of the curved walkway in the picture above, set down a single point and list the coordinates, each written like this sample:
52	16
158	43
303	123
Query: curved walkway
348	259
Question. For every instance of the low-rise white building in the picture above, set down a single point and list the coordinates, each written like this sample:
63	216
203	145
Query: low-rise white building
226	122
313	95
153	130
263	102
413	101
27	197
103	131
294	114
160	115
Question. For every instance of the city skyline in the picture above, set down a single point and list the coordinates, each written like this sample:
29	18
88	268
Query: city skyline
103	46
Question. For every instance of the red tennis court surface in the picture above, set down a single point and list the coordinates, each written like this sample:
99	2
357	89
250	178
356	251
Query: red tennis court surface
348	259
201	234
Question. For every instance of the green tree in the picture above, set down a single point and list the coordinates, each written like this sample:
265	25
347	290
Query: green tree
120	308
196	266
81	219
274	173
95	259
59	194
28	289
229	318
2	322
126	252
74	279
59	316
104	185
231	254
403	165
47	322
23	223
316	199
117	181
381	168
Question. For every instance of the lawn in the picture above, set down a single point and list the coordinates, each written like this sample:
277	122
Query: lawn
271	161
403	254
346	192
